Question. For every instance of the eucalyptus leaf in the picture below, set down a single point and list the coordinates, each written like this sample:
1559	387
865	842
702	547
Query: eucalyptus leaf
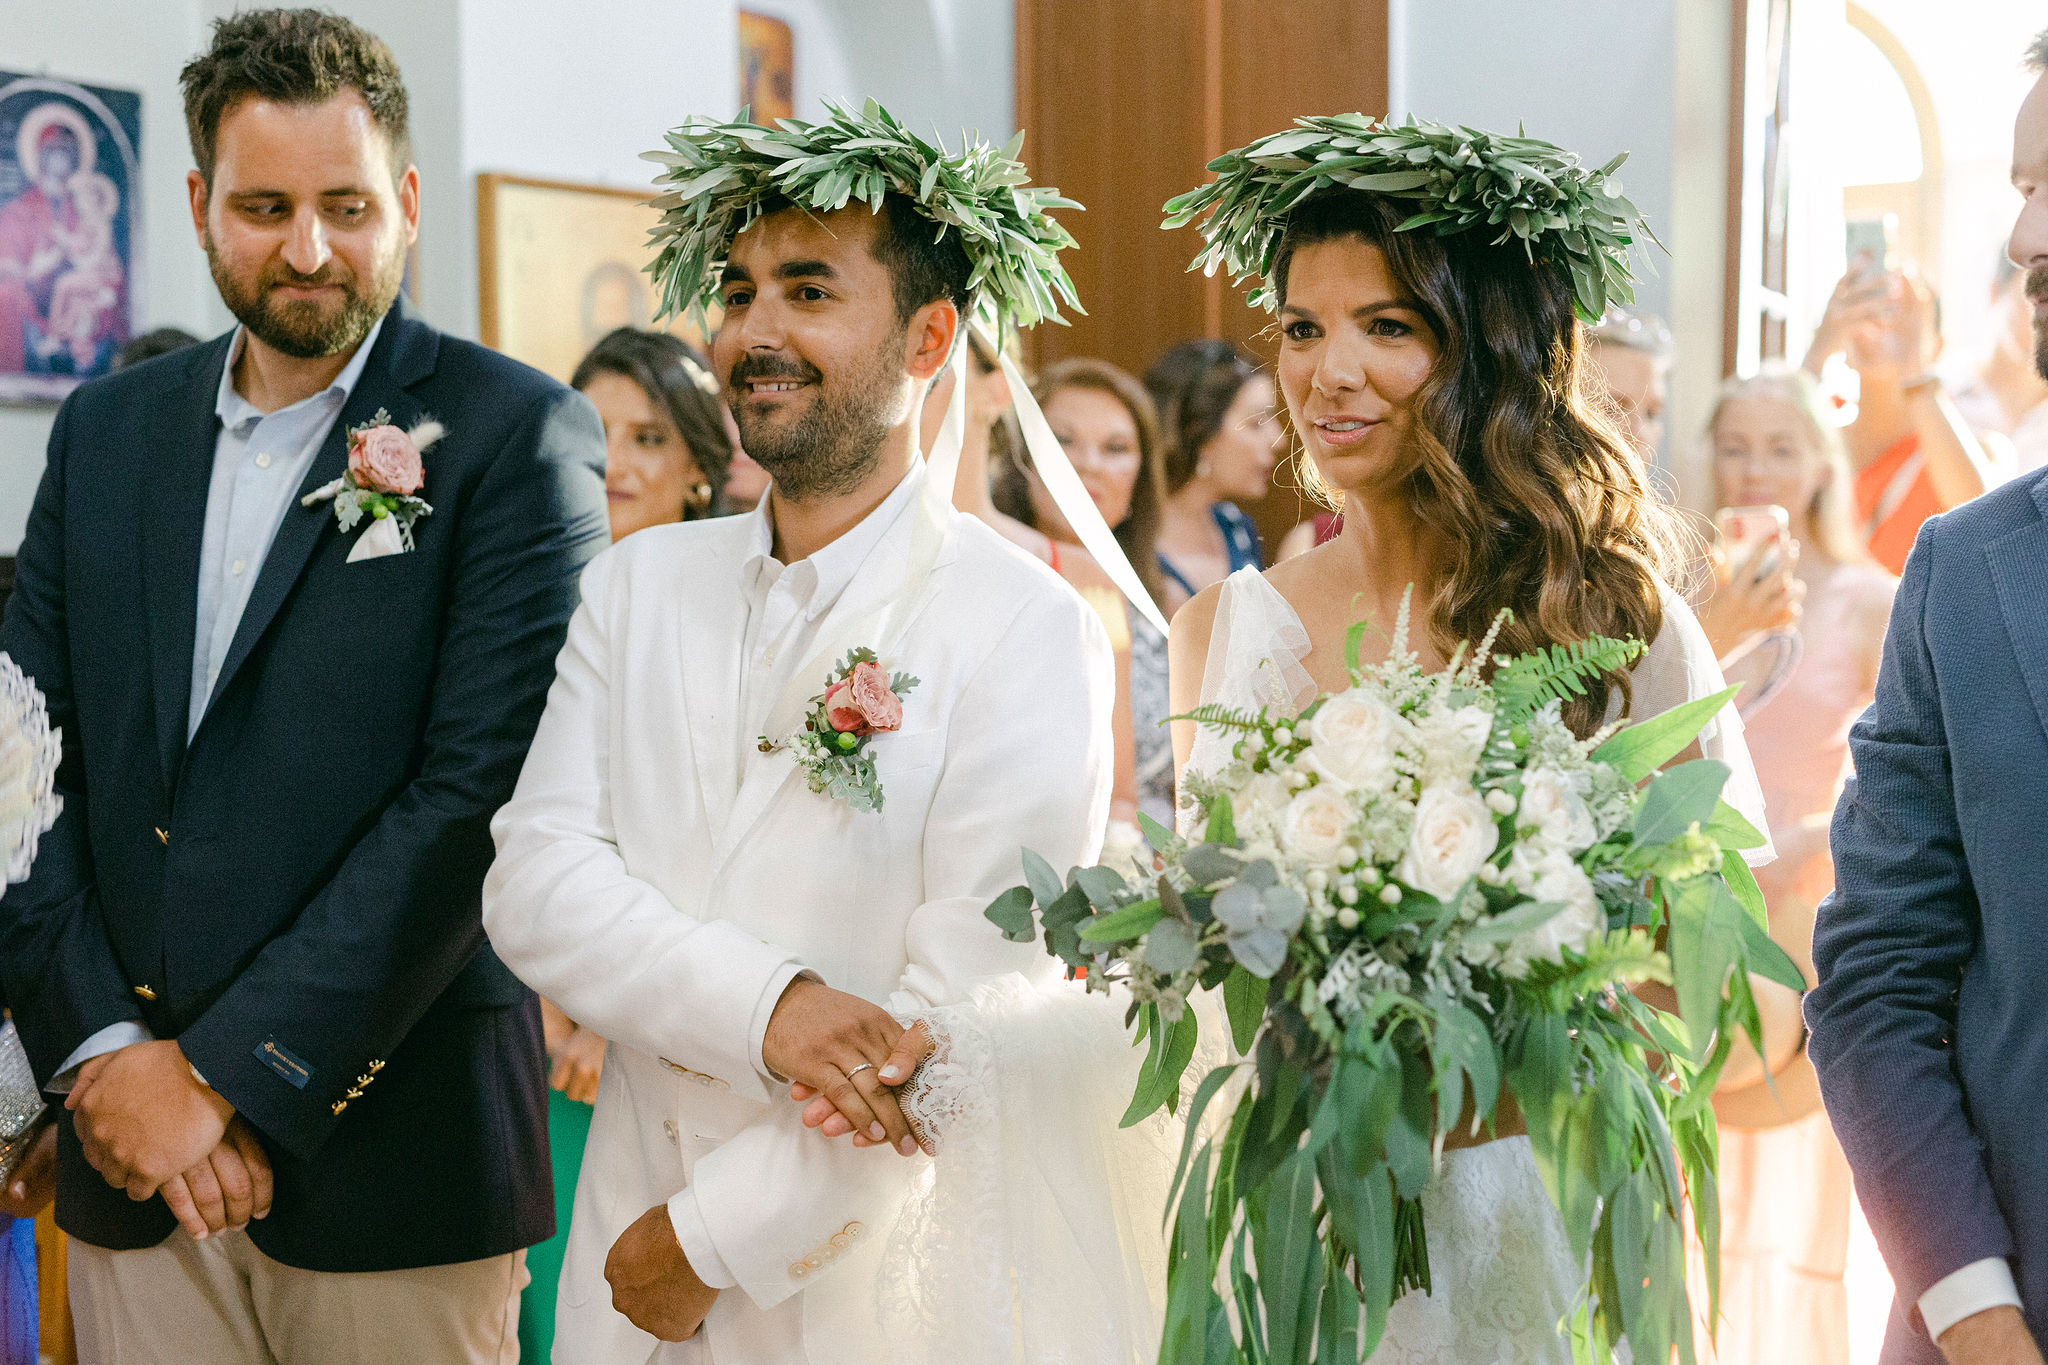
1170	948
1679	798
1011	913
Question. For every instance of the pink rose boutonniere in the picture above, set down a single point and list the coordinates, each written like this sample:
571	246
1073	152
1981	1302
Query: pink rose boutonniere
385	475
860	700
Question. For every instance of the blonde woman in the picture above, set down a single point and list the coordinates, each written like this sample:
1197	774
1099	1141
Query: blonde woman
1785	1189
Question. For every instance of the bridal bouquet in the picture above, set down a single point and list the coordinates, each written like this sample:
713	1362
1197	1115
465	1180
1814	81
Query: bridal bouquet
1420	899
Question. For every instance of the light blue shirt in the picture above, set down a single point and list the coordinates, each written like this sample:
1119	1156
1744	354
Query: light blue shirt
259	462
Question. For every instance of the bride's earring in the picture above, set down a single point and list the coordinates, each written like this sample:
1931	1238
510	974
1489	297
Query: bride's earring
699	497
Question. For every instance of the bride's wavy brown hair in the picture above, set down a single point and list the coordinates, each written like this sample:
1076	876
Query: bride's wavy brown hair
1516	460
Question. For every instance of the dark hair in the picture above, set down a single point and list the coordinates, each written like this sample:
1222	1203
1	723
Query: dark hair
2037	52
1138	532
151	344
1517	464
676	379
922	264
293	56
1193	386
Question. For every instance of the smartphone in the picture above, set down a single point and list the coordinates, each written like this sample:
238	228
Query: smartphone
1873	245
1743	529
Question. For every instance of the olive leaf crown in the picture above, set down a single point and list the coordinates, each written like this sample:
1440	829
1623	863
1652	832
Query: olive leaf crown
1459	179
720	174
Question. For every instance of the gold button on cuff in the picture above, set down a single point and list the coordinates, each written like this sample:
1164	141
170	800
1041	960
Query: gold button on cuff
375	1066
163	836
340	1105
145	992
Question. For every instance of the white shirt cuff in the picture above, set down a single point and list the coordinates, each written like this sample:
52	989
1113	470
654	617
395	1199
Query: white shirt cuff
112	1038
1978	1286
695	1239
764	1010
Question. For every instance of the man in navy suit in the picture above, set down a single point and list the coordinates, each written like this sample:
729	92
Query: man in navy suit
1930	1021
251	950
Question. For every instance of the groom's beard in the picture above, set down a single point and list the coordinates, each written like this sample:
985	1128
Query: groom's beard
2037	294
829	445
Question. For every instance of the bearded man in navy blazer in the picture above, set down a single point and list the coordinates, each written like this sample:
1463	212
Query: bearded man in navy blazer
251	950
1930	1020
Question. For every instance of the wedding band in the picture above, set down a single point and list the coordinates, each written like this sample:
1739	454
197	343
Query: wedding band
864	1066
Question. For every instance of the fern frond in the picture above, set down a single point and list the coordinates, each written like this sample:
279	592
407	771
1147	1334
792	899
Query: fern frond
1528	681
1223	717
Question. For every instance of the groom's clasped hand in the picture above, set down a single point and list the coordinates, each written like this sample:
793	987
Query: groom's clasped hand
846	1057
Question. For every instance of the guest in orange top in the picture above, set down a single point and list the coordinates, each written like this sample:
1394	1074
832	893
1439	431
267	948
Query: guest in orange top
1913	453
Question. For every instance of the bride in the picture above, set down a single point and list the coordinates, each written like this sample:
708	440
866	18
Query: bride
1437	385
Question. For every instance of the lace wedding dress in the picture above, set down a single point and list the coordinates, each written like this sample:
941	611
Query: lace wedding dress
1501	1271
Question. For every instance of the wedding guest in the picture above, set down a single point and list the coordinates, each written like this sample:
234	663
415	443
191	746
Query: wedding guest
253	941
1927	1027
667	449
1785	1187
2005	398
1631	355
1219	438
153	343
1913	453
1105	423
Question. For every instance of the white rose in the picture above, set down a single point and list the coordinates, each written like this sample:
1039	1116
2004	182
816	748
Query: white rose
1354	736
1265	794
1451	739
1316	825
1552	803
1454	835
1556	878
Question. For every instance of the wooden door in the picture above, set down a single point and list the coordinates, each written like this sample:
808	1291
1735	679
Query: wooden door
1123	106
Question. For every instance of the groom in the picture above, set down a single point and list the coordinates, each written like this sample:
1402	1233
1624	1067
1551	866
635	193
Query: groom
669	874
1929	1028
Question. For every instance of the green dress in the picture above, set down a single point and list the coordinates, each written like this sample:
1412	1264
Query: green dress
568	1130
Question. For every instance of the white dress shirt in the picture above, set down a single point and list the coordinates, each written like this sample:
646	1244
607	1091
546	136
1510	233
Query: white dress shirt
1976	1288
785	604
259	463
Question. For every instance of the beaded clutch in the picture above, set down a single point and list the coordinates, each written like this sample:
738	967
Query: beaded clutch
22	1111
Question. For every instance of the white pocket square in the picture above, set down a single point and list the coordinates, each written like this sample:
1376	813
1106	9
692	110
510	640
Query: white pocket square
380	539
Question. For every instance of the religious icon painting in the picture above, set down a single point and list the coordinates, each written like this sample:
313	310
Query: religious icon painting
70	169
767	68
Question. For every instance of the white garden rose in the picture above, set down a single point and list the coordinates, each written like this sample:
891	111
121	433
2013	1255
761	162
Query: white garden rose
1260	802
1316	825
1355	736
1450	740
1454	835
1553	803
1553	876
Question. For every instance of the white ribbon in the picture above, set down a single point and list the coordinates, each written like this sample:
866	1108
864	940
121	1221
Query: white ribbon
1054	469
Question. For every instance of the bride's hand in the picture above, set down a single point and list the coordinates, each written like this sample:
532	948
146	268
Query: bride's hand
819	1112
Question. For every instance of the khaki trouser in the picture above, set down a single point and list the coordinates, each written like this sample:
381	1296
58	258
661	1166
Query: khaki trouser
223	1302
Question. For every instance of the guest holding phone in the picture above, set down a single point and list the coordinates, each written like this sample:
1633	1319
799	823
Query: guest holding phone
1912	452
1782	479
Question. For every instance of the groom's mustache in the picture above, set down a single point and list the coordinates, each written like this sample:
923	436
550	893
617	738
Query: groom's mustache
753	367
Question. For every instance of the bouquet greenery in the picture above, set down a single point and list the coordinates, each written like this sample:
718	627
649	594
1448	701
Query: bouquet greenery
1420	896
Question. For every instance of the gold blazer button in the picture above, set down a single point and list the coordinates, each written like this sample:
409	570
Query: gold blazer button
145	992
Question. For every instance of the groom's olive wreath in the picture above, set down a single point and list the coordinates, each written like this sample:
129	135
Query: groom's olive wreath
720	174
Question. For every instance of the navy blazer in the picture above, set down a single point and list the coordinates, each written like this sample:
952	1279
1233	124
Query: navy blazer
1930	1020
295	894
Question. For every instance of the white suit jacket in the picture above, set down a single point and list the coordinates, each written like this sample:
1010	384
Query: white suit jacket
655	873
